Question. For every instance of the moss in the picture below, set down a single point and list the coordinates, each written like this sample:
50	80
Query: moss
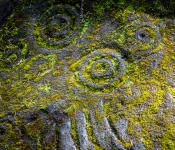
43	68
167	141
8	132
39	80
85	27
74	132
89	129
46	88
24	48
61	41
11	58
24	93
99	11
34	129
88	72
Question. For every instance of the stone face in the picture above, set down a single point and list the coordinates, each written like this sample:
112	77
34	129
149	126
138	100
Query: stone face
106	83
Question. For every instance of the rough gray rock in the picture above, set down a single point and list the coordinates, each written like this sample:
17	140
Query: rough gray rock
66	140
121	127
85	144
39	108
138	146
103	132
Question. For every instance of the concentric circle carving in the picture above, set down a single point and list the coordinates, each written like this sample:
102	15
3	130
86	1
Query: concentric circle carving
140	39
58	27
101	69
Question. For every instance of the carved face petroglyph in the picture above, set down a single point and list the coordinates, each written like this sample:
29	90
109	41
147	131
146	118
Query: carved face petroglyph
105	84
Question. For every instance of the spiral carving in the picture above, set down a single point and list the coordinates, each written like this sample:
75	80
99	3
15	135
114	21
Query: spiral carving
58	27
11	58
101	69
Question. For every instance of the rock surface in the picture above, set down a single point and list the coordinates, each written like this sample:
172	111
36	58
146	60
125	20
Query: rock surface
74	79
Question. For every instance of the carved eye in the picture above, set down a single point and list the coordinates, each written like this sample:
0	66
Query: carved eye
140	39
58	27
100	69
143	35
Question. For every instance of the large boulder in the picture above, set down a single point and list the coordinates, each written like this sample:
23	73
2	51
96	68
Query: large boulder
97	78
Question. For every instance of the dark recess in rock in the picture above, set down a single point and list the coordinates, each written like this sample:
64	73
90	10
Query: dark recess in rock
6	7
